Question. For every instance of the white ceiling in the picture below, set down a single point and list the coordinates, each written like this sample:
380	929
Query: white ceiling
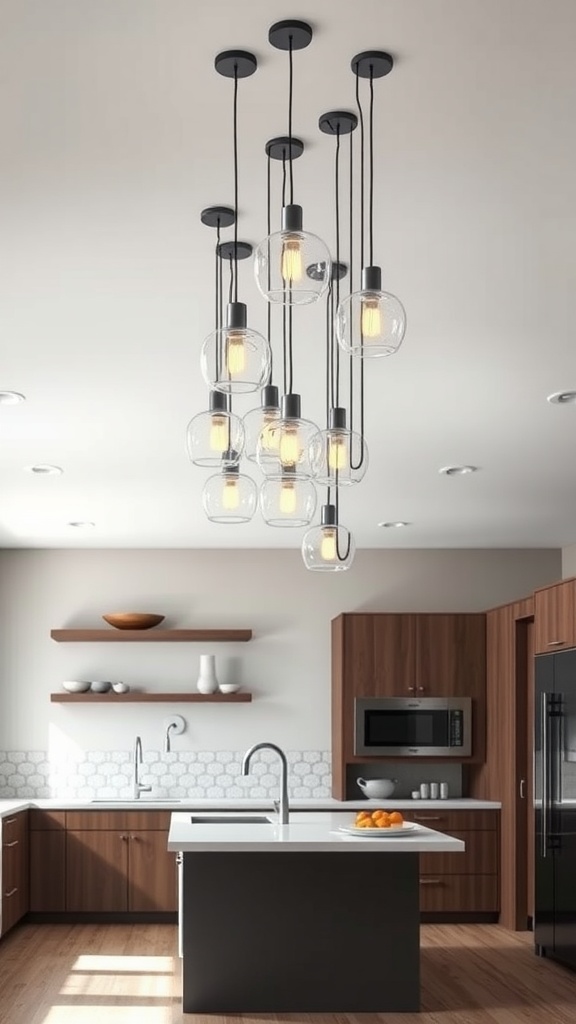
115	131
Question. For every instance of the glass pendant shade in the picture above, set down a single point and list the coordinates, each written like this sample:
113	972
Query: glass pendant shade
339	456
287	501
230	496
235	359
282	260
215	438
370	323
260	421
328	547
285	446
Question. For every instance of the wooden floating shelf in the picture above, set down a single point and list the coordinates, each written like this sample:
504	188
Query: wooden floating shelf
151	635
132	696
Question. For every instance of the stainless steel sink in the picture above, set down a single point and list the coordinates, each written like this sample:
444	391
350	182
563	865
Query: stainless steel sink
230	819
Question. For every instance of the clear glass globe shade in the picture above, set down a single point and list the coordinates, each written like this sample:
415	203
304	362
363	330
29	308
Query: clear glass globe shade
229	497
286	501
215	439
286	446
339	457
235	360
370	324
281	265
259	425
328	549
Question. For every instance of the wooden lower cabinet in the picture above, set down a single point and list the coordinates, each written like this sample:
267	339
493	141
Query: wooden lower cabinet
96	871
460	883
152	874
47	861
15	888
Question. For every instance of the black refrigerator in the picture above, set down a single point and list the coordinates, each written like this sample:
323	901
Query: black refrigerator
555	806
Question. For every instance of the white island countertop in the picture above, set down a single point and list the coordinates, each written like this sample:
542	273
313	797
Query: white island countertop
306	833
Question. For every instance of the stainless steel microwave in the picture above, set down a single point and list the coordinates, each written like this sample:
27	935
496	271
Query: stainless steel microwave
413	726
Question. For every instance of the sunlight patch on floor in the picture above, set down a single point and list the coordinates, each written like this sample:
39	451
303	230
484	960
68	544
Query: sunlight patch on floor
121	964
89	1013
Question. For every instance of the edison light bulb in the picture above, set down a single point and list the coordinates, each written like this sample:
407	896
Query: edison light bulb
230	494
288	498
337	451
371	325
291	268
289	446
328	545
270	435
219	434
235	353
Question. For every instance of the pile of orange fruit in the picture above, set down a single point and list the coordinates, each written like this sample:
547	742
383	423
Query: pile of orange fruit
378	819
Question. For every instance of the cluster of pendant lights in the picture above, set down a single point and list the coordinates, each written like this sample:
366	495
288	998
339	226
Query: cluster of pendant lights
294	267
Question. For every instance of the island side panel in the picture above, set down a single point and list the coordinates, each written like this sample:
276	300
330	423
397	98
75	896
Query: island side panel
301	932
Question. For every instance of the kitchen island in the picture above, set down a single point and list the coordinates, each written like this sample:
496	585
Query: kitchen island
300	917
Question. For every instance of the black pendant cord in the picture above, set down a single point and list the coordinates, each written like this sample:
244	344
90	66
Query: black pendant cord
340	556
290	100
217	321
361	119
336	395
235	184
329	349
268	233
371	138
284	317
232	277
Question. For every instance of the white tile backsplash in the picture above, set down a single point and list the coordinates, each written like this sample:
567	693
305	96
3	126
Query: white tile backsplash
203	774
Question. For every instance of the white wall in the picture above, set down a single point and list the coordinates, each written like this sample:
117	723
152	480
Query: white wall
286	665
569	561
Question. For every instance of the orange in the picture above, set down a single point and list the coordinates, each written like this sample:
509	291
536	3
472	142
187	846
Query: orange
396	818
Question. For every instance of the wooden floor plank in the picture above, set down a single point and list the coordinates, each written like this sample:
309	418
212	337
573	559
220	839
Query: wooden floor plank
76	974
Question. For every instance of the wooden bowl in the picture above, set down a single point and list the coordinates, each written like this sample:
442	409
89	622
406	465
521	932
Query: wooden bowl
133	620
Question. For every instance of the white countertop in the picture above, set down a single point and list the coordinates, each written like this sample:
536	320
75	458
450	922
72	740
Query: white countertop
306	833
12	806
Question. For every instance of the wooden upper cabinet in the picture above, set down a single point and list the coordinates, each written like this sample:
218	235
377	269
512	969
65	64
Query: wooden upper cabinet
555	617
394	652
451	655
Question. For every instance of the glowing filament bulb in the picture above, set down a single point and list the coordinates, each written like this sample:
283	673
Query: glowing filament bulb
235	353
328	551
291	268
288	497
270	435
289	446
230	494
337	451
371	317
219	433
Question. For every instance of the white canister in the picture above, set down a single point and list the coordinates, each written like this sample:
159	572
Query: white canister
434	790
207	681
424	790
443	790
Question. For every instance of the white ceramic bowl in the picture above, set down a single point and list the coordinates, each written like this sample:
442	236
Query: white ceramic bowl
100	686
120	687
229	687
76	685
378	789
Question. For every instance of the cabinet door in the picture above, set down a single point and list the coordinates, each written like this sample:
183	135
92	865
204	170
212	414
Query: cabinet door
152	873
555	618
96	871
47	871
451	655
14	869
394	656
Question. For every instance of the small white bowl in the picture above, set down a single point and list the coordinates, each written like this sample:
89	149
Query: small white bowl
76	685
100	686
120	687
229	687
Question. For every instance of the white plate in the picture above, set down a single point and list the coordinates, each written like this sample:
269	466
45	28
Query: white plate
392	830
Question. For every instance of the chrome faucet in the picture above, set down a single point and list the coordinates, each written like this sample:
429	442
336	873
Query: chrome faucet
282	807
138	786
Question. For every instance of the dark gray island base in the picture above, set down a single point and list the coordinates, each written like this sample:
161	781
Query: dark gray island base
300	932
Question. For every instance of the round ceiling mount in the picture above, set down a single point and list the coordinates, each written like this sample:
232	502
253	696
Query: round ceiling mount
337	122
284	148
235	63
234	250
562	398
290	34
218	216
372	64
458	470
317	271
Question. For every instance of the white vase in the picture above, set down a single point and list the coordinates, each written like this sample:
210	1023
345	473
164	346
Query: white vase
207	681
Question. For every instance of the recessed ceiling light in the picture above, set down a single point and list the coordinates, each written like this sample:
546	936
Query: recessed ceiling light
562	398
79	524
44	469
394	526
458	470
11	397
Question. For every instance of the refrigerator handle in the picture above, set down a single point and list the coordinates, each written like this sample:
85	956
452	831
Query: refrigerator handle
544	776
